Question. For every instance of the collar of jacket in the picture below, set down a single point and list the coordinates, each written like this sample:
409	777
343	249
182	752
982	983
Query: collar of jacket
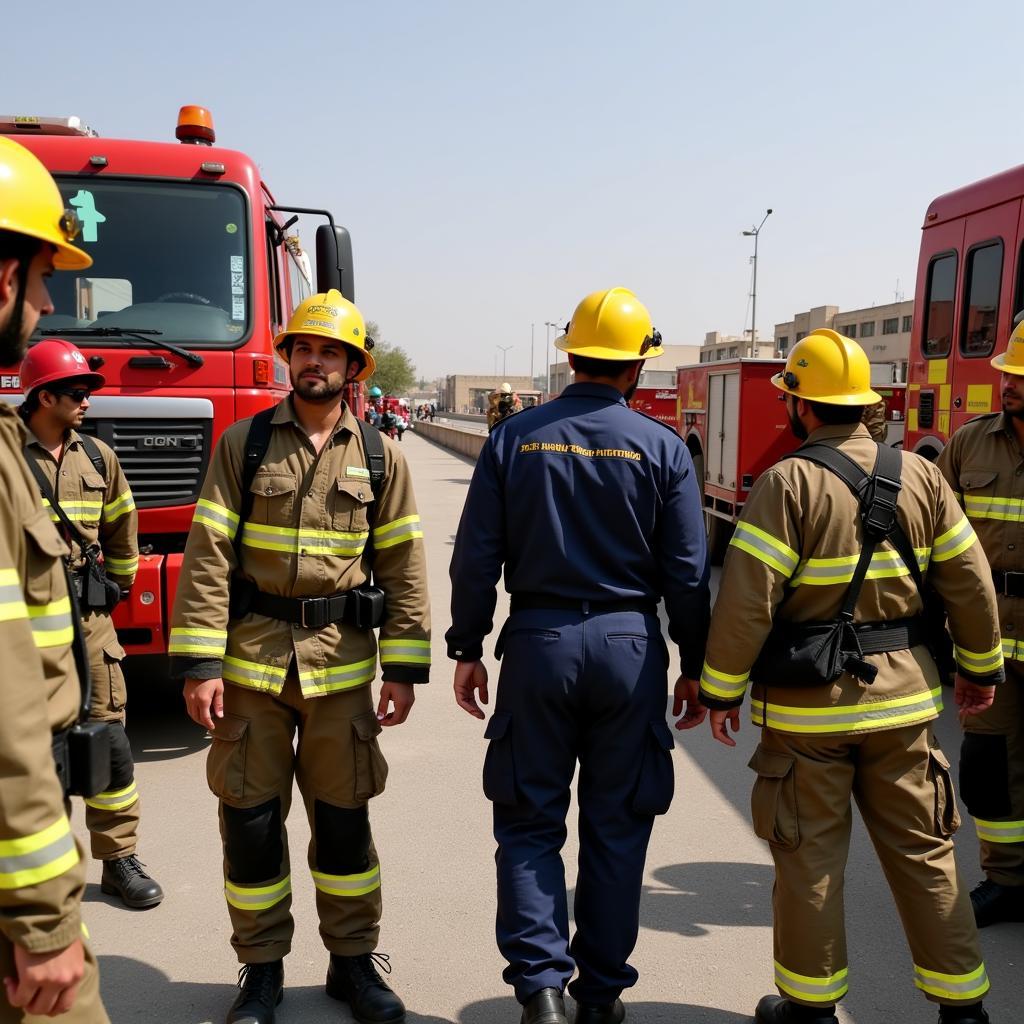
588	390
1002	424
285	413
837	432
71	438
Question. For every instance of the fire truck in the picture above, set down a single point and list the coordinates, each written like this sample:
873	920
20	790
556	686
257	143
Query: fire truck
970	286
735	426
195	268
655	395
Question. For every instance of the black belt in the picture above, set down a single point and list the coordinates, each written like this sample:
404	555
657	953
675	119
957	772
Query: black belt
362	608
522	602
895	635
1009	584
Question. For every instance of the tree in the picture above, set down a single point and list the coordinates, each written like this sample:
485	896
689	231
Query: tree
395	373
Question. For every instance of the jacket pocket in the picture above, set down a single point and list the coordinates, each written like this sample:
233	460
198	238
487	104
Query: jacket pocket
44	577
351	505
773	802
656	784
978	486
94	489
273	497
947	817
371	770
985	775
499	763
225	763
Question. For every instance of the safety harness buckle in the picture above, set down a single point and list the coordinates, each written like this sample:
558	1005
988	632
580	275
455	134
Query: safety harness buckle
314	613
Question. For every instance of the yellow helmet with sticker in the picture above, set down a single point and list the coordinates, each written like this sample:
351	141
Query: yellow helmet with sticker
1012	360
330	315
828	367
612	324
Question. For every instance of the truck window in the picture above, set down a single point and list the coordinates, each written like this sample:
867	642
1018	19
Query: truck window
937	338
981	299
273	280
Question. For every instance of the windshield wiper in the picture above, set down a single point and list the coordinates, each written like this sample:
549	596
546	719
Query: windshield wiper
144	334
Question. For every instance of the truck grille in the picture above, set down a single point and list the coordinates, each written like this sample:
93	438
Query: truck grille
165	460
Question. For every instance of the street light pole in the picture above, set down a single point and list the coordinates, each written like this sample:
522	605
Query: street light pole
504	358
533	379
754	232
549	324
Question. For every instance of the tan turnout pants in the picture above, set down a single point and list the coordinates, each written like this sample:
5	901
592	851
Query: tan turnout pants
339	767
801	806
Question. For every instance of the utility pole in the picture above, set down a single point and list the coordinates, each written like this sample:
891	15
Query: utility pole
754	232
532	377
549	324
504	358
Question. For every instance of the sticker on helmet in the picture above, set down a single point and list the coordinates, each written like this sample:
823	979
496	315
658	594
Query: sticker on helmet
323	311
231	228
318	323
88	215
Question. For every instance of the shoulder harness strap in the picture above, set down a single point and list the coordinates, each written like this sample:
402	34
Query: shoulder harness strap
257	441
93	451
374	447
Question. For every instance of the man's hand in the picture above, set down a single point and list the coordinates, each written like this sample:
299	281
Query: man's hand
971	698
470	676
401	696
719	720
687	692
204	700
46	983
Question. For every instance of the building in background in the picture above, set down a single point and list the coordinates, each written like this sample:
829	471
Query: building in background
718	346
468	393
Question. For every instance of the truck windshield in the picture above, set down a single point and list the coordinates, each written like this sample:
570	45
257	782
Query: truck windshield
166	257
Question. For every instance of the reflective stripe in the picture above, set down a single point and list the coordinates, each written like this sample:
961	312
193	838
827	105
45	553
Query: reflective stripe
1013	650
881	714
38	857
723	685
340	677
414	651
308	542
254	674
76	511
121	505
815	990
980	664
980	506
883	565
217	517
115	800
1000	831
953	542
185	640
397	532
51	623
968	987
347	885
12	600
262	897
121	566
765	548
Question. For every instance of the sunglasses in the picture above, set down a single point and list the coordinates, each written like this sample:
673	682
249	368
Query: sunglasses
77	395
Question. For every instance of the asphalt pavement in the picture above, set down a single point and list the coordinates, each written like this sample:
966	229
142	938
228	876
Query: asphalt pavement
705	947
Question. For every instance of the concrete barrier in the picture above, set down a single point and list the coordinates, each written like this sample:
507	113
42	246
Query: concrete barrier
463	442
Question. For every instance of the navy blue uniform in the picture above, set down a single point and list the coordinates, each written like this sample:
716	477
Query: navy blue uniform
594	511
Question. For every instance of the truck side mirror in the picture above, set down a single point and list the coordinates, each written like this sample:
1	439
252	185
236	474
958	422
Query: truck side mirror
334	260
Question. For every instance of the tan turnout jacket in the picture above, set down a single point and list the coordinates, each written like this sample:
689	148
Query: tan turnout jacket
41	876
314	531
792	555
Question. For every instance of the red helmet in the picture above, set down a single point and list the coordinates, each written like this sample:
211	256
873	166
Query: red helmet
55	359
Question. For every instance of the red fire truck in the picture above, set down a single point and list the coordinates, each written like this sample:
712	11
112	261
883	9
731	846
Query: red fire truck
659	403
970	286
194	271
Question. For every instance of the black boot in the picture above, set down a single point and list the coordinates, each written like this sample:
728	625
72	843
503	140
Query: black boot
126	878
544	1007
354	980
262	988
600	1013
993	902
776	1010
973	1014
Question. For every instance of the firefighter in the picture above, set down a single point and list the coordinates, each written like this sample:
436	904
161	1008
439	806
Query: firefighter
46	967
595	512
298	654
791	562
91	504
984	465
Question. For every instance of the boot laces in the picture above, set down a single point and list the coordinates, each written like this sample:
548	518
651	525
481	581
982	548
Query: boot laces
367	964
130	867
257	981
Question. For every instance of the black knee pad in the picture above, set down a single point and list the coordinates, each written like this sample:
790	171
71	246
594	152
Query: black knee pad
985	775
342	838
252	842
122	764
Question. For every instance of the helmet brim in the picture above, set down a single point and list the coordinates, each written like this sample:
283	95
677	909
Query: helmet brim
613	354
1000	364
868	397
70	257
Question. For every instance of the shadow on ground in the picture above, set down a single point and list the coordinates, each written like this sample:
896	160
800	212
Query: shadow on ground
158	727
498	1011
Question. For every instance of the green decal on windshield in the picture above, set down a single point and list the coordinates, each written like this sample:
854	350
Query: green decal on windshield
85	204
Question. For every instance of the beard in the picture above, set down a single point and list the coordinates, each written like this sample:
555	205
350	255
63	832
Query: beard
796	426
318	391
631	390
13	337
1015	412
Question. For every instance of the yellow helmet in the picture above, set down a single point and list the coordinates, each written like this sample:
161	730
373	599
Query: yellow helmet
30	204
1012	360
612	324
330	315
828	367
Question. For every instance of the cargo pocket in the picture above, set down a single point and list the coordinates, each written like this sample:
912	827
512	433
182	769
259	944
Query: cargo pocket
947	817
371	770
113	655
773	801
985	775
656	784
499	764
225	764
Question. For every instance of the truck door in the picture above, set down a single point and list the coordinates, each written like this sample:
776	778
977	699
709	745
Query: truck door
723	433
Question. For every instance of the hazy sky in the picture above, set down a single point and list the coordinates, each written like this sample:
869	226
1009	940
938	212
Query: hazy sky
496	162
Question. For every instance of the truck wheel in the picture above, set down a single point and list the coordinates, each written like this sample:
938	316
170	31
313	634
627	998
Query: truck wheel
719	535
